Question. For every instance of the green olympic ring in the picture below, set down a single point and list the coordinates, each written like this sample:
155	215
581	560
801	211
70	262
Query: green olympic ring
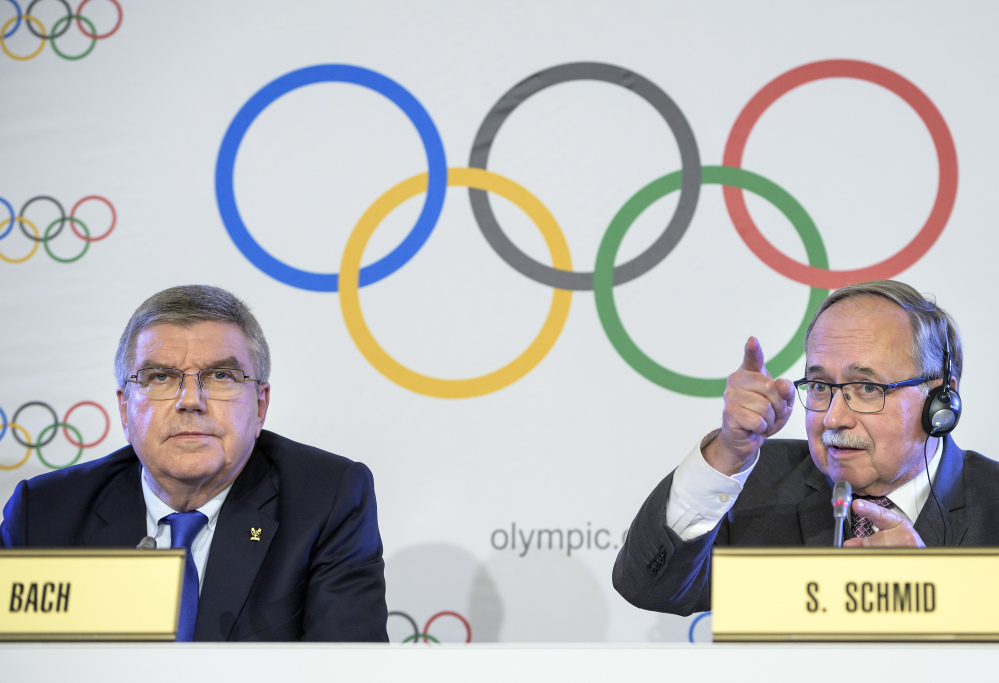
603	274
416	636
86	243
67	18
38	445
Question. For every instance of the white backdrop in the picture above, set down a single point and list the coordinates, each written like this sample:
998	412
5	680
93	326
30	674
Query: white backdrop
564	454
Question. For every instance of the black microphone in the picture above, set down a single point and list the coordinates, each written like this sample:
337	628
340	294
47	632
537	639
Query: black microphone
147	543
842	496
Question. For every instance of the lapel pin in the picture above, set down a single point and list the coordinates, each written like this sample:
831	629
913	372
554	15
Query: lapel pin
255	534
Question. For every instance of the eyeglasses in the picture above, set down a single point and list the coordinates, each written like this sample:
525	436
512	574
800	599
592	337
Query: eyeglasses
861	397
165	383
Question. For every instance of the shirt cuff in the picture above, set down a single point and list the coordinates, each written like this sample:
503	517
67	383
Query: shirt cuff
700	494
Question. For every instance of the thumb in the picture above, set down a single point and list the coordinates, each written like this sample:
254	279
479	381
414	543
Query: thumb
786	390
752	358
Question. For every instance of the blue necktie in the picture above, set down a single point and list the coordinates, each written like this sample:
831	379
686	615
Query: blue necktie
184	526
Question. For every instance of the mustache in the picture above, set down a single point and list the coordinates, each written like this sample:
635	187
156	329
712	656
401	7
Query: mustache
844	440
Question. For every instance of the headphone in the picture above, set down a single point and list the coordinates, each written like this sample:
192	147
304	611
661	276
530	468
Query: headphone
942	409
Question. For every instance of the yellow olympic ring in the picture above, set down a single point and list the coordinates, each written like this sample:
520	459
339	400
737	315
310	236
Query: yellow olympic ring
27	438
41	46
350	268
30	225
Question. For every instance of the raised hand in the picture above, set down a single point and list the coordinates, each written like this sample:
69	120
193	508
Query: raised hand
756	407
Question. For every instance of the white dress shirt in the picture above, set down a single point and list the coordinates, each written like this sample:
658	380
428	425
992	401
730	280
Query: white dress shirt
701	495
156	510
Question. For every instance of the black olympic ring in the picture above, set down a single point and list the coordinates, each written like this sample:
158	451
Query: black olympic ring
54	426
68	19
415	638
690	164
416	629
62	216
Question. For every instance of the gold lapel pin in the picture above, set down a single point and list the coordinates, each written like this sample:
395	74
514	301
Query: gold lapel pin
255	534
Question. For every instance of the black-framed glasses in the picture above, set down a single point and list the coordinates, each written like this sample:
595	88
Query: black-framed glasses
165	383
861	397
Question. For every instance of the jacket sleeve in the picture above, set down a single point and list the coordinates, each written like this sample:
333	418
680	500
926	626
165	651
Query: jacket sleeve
657	570
346	594
13	529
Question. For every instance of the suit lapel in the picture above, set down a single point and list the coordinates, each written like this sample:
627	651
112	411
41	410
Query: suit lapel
119	517
815	510
235	557
949	487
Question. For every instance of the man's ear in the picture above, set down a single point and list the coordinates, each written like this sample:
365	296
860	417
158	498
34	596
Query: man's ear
263	401
122	394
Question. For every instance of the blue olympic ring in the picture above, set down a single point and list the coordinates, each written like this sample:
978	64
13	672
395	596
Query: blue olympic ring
10	226
345	73
4	430
12	31
693	624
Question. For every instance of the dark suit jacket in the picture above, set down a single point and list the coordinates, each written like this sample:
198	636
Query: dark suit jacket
315	574
787	501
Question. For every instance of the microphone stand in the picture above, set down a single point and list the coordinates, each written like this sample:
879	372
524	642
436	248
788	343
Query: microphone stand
838	532
842	496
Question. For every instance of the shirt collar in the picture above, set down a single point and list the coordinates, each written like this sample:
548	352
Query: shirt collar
156	509
910	497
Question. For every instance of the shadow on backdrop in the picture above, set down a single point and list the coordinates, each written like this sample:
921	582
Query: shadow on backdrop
441	584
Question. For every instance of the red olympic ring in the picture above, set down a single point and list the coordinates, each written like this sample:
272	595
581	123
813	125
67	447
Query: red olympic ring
107	424
468	628
865	71
72	214
100	36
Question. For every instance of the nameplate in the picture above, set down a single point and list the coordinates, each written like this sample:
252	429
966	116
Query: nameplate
90	594
858	594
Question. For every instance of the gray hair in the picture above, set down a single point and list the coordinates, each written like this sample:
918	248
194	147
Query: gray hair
927	321
185	306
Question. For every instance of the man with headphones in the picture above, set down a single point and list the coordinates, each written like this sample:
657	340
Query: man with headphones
882	366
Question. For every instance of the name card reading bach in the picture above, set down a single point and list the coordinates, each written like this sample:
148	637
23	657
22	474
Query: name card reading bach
90	594
891	594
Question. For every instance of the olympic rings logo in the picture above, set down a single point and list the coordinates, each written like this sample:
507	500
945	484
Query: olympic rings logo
53	229
425	633
20	433
560	276
59	28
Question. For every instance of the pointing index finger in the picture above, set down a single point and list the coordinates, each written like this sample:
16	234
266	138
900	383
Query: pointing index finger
752	357
882	518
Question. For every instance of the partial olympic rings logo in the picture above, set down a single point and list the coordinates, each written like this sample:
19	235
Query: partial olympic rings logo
424	635
560	274
20	434
59	28
44	234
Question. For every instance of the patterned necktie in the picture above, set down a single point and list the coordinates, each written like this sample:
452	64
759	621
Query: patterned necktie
862	527
184	526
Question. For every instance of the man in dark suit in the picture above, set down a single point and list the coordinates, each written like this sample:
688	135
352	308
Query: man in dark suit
877	355
285	545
